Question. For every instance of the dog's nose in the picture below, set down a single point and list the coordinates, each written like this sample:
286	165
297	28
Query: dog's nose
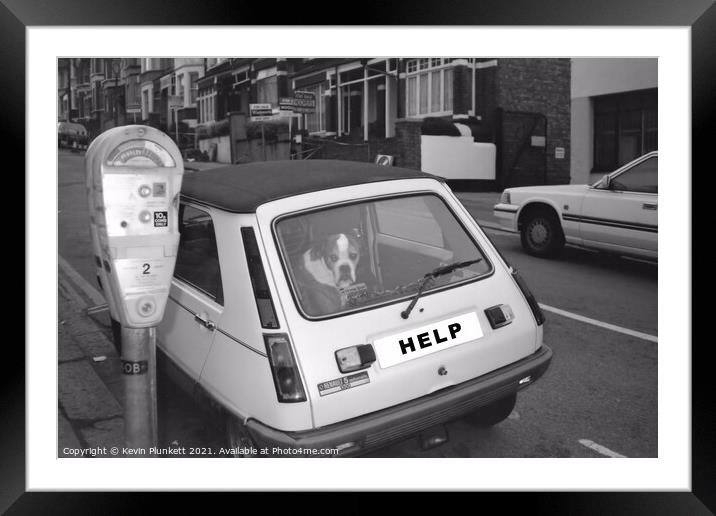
344	269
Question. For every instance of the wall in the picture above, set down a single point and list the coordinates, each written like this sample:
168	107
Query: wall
542	86
582	140
458	157
600	76
407	132
223	151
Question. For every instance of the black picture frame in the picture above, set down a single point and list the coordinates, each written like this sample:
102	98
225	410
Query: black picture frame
700	15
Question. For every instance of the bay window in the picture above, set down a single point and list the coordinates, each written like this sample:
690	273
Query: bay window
428	87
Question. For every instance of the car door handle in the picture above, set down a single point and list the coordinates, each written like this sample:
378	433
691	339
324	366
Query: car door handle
649	206
207	323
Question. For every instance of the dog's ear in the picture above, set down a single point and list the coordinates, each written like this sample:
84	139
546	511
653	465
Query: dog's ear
317	251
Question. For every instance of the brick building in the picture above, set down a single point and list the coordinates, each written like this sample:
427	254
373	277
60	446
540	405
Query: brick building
106	92
364	107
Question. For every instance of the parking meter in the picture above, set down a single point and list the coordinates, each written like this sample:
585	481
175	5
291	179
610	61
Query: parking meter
134	178
90	158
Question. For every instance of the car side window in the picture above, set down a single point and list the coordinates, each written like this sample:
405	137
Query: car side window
642	177
198	258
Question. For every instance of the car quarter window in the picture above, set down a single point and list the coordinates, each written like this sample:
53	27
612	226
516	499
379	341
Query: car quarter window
198	259
642	177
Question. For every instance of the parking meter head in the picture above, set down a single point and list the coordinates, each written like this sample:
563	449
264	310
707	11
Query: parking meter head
93	153
134	178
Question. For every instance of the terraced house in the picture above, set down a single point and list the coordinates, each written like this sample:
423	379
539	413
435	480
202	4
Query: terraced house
495	122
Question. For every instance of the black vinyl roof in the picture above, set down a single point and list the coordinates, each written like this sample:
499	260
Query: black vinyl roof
242	188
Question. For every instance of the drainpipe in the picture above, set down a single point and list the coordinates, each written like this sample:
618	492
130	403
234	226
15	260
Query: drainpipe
69	88
387	98
338	104
474	113
398	68
365	103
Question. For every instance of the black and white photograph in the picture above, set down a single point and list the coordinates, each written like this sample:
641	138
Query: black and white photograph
362	258
382	257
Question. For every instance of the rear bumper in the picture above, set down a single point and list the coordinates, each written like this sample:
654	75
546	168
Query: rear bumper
396	423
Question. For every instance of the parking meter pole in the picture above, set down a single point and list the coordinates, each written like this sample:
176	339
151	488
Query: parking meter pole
263	140
140	388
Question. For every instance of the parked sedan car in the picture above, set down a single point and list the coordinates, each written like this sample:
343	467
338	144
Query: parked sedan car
618	213
335	305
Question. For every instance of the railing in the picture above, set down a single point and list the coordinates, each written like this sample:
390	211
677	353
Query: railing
306	153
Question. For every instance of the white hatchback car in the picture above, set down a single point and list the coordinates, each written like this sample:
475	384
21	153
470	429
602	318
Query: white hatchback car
617	214
333	307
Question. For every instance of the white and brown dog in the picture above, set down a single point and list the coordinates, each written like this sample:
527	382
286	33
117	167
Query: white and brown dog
333	261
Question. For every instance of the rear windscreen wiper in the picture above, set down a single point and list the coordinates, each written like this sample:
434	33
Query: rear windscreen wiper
439	271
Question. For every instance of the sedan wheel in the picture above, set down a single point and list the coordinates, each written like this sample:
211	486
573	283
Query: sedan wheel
542	235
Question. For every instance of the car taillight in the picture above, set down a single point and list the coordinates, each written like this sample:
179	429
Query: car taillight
289	387
536	310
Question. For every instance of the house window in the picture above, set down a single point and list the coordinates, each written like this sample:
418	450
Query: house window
316	121
625	127
428	87
179	81
207	99
193	86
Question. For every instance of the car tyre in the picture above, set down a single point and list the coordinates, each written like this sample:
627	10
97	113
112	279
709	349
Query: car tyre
542	235
494	413
238	438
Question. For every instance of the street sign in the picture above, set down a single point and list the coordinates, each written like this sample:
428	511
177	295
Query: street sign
261	112
176	102
301	102
538	141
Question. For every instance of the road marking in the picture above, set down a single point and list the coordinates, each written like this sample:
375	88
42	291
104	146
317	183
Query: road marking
601	449
91	292
588	320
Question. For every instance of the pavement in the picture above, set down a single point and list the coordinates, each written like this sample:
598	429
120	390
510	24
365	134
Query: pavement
89	382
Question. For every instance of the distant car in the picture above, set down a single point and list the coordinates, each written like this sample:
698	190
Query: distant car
340	305
618	213
71	135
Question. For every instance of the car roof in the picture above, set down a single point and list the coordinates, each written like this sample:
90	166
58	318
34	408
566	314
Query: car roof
242	188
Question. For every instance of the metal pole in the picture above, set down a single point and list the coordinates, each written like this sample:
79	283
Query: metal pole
140	388
290	141
69	90
263	140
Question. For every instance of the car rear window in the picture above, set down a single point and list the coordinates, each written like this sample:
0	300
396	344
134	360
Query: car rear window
366	254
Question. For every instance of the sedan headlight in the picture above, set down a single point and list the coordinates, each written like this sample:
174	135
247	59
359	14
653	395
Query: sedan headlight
505	198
